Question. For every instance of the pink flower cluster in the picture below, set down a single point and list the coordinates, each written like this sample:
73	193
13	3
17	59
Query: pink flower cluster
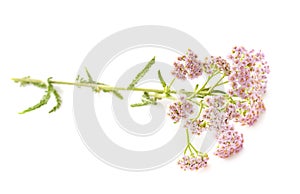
217	115
215	101
246	113
187	66
180	109
213	114
212	63
193	162
230	142
248	73
212	118
196	126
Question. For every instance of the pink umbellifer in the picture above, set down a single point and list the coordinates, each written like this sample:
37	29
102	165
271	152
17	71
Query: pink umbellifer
187	66
229	142
196	127
248	73
248	113
212	63
180	109
193	162
179	70
215	101
213	114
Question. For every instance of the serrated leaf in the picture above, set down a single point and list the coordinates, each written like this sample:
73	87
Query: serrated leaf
141	74
58	101
146	100
43	101
144	103
24	83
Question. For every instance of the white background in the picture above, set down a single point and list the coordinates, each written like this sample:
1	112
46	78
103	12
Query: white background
41	153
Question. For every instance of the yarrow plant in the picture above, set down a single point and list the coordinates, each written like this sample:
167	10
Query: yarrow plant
206	108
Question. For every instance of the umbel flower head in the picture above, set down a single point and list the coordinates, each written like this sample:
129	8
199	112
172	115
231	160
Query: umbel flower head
245	112
213	114
229	142
196	126
193	162
248	73
187	66
180	109
212	64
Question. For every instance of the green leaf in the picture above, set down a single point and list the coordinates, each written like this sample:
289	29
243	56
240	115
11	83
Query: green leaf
196	87
90	79
146	100
24	83
43	101
172	82
58	101
139	104
144	103
162	81
141	74
218	91
146	95
117	94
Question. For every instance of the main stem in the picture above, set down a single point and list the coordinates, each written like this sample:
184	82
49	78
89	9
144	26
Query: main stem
111	88
105	87
91	85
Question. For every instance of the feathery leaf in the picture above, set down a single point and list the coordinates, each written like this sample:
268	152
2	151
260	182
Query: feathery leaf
145	103
146	100
141	74
43	101
58	100
23	82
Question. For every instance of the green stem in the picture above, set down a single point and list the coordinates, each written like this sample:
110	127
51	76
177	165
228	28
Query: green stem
156	95
187	136
202	90
225	82
199	113
216	84
195	102
187	140
208	79
100	86
190	149
184	152
194	148
189	145
159	93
